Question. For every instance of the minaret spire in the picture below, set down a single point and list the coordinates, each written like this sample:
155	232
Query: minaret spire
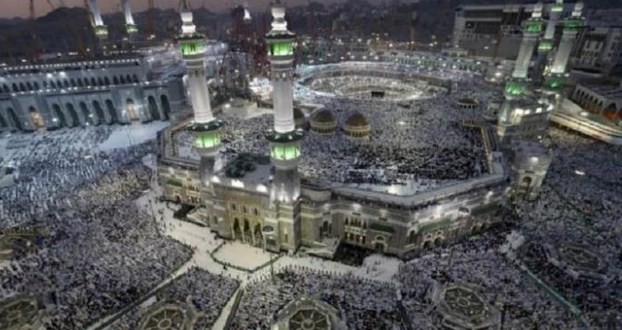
571	26
130	25
204	127
101	30
285	140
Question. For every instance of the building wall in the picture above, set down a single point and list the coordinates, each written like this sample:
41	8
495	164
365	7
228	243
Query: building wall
323	214
606	104
599	49
494	30
83	94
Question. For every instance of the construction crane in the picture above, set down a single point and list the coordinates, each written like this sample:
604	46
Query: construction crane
184	4
150	28
36	48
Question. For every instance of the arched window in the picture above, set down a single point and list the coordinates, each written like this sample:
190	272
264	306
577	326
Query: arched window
36	85
106	81
115	80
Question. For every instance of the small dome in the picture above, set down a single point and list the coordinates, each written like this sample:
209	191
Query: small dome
357	120
324	116
468	101
324	122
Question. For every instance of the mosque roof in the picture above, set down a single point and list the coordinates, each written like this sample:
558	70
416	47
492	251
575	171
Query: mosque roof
324	116
357	119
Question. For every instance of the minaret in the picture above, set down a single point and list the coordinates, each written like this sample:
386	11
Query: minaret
130	27
285	140
571	26
204	127
101	30
532	28
547	43
518	85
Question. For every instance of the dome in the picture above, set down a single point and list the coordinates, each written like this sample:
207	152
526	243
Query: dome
324	116
467	103
357	126
357	120
324	122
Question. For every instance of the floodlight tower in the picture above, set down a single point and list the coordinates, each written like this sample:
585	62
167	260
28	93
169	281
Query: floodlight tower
285	140
101	30
571	26
130	27
204	127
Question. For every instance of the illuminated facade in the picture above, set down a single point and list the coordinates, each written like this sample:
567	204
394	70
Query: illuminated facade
262	201
85	93
242	205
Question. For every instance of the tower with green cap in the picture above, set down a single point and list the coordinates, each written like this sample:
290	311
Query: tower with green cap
517	88
101	30
205	128
285	139
570	27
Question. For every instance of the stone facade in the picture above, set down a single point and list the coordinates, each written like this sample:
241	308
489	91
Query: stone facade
83	94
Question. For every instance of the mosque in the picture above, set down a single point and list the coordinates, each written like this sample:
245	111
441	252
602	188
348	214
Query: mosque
121	88
263	201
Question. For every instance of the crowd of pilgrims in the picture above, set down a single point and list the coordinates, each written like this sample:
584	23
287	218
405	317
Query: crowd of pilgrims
361	303
201	293
419	141
589	217
504	285
92	251
96	252
362	86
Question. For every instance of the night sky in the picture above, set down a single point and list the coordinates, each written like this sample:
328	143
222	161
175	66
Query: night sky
11	8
